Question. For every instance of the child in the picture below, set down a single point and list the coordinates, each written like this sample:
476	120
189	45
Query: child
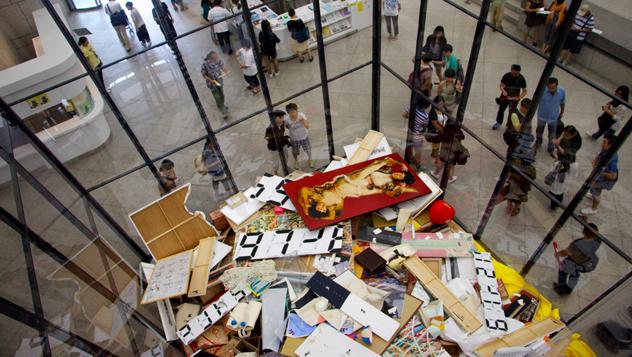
141	29
248	66
579	257
167	176
297	124
277	140
93	58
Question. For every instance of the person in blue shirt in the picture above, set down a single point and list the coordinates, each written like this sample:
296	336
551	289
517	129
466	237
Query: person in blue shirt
550	112
607	178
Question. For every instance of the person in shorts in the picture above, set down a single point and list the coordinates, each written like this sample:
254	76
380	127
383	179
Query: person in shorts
607	178
297	125
246	58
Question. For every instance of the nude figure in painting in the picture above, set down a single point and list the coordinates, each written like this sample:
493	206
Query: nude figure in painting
384	176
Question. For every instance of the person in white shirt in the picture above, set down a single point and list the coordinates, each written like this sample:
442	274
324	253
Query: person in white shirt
139	24
248	66
118	19
391	12
297	124
220	29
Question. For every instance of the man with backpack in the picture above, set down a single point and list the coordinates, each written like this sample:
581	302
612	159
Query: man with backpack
579	257
300	36
119	21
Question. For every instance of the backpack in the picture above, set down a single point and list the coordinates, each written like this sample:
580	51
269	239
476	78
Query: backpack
302	35
118	18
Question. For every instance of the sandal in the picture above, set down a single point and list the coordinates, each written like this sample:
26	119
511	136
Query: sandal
515	211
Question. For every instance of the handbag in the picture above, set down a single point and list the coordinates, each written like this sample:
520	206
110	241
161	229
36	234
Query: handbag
550	177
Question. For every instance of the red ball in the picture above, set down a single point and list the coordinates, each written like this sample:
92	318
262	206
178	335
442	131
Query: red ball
441	212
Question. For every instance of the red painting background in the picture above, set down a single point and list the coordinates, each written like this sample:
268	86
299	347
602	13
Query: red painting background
352	206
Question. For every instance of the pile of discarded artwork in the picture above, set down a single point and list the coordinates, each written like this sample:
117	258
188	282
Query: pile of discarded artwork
361	259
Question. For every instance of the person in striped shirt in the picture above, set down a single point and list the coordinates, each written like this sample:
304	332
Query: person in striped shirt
584	24
417	128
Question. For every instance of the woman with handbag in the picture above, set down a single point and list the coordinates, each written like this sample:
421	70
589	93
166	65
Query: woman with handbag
566	147
300	36
613	113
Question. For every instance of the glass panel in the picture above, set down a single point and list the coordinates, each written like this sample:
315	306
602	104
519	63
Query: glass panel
18	338
14	278
128	194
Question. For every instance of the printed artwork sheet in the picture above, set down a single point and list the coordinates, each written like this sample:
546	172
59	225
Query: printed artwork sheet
270	190
169	278
241	213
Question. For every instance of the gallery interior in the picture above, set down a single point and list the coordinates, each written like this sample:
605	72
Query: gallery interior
83	148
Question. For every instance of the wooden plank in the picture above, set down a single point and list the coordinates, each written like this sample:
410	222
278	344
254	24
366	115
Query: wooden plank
367	145
167	246
521	337
150	222
201	269
434	264
455	308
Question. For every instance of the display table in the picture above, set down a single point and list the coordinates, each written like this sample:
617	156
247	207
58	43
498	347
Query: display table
339	19
69	119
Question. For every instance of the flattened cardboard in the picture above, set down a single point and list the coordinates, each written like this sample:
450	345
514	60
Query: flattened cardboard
201	269
326	341
379	345
521	337
370	141
455	308
168	228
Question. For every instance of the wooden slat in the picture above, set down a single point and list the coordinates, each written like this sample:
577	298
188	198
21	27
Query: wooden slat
522	336
455	308
370	141
201	269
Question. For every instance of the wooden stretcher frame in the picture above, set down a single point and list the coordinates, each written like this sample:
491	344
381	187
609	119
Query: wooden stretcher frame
167	227
201	267
455	308
522	336
370	141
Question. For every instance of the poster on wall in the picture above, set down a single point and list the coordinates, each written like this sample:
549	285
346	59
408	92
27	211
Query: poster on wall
38	100
338	195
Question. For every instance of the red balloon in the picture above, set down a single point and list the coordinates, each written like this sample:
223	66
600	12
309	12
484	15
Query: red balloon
441	212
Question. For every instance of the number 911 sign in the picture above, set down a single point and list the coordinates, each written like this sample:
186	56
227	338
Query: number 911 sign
495	319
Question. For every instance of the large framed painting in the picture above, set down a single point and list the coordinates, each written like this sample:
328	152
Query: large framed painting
338	195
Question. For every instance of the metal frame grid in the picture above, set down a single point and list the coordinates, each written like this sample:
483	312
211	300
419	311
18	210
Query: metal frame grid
38	321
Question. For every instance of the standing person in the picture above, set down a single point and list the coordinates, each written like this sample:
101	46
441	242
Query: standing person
453	152
613	113
425	75
416	129
297	124
550	112
139	24
583	25
275	135
214	71
516	125
534	20
300	36
268	41
176	3
219	31
450	89
214	167
391	12
238	21
579	257
206	7
566	148
449	59
170	29
513	87
118	19
435	43
437	128
93	58
168	176
518	187
496	13
248	66
608	177
553	21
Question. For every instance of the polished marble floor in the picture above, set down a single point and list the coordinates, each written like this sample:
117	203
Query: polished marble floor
153	97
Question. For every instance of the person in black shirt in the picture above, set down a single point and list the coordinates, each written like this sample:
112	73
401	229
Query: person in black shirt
300	36
275	135
268	41
513	87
